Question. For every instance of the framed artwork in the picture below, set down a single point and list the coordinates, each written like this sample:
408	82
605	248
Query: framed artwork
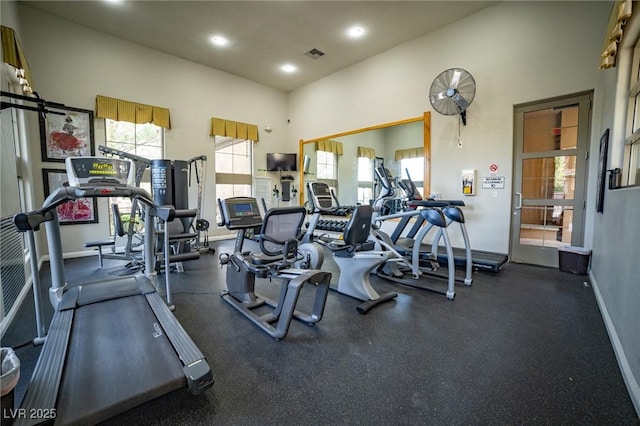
66	132
602	170
80	211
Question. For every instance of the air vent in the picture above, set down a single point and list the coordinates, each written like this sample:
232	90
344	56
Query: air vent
314	53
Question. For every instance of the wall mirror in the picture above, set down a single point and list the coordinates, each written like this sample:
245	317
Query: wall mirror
345	161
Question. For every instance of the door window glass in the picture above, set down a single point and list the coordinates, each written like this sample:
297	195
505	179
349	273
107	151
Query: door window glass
549	177
551	129
546	226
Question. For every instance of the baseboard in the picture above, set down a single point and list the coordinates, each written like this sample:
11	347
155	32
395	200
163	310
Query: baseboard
629	379
70	255
222	237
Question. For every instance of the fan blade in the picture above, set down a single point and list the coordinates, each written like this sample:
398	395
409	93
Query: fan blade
455	79
440	96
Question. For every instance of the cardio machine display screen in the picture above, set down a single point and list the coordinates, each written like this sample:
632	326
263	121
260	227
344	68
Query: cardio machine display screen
240	213
82	170
243	209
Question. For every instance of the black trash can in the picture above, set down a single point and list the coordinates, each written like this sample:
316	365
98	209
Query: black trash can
8	381
574	259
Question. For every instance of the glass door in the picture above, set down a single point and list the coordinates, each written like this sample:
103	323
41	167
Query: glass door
550	160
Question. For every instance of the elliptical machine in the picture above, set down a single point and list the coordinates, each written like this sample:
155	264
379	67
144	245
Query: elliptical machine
411	255
278	243
451	211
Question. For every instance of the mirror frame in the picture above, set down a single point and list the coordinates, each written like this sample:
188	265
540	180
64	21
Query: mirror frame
426	121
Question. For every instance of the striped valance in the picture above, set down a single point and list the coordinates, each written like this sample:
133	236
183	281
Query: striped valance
13	55
620	13
132	112
329	146
403	154
366	152
233	129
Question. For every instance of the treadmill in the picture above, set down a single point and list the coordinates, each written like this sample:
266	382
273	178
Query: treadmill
480	260
112	344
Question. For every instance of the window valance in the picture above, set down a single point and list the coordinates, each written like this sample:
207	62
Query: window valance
403	154
620	14
234	129
366	152
13	55
233	178
132	112
329	146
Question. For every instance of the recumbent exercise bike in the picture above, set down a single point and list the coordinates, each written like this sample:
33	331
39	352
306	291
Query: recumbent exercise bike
279	246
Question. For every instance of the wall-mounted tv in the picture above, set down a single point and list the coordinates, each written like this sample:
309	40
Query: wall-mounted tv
282	162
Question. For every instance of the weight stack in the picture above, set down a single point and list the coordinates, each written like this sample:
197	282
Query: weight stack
180	184
181	189
162	182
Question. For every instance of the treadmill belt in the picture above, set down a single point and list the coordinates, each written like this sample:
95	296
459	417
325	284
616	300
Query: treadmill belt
482	260
118	357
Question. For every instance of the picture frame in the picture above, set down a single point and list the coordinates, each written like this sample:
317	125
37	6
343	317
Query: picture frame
80	211
66	132
602	170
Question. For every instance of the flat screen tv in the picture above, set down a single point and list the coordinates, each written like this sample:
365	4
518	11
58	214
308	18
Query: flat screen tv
282	162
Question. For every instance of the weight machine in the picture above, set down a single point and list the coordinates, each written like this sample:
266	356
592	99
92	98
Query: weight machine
199	164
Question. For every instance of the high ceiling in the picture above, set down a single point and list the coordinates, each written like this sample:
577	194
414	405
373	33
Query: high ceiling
264	35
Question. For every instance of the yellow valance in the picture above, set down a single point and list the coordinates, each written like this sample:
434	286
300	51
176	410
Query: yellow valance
329	146
13	55
403	154
233	178
119	110
366	152
620	14
234	129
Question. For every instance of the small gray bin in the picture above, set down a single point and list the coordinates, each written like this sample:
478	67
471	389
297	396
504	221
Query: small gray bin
574	259
8	381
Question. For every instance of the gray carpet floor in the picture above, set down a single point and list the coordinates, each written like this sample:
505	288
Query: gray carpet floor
525	346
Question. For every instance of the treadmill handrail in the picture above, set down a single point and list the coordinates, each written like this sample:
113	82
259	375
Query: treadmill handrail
27	221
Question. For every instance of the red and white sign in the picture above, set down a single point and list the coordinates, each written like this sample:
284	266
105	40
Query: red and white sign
493	168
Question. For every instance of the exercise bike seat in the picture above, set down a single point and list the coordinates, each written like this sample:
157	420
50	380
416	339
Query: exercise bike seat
277	239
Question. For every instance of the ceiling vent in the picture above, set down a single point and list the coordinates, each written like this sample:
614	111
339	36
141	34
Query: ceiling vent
314	53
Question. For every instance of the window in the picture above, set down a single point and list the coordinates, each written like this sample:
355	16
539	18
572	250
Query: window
327	163
415	167
632	148
144	140
234	168
365	180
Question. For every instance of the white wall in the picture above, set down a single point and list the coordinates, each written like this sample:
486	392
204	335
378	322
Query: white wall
517	52
72	64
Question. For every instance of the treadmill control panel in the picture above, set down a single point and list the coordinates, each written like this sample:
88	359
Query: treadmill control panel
99	170
240	212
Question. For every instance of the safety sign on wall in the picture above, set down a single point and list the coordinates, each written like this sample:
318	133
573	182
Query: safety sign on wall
493	182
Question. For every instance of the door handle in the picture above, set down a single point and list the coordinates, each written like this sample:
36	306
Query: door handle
519	205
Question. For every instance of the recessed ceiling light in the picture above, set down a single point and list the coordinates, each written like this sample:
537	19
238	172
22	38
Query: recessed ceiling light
288	68
219	40
113	1
355	32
